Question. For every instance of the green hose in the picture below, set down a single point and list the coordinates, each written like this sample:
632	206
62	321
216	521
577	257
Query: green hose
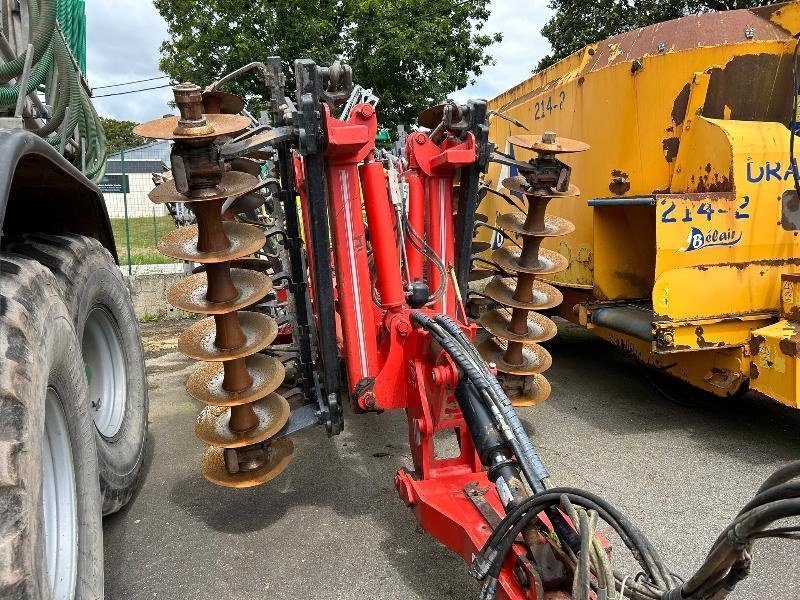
44	15
59	35
39	73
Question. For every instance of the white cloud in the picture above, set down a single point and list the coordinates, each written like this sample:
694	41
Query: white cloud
517	55
123	39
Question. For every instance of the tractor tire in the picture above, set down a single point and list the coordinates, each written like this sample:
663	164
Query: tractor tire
51	523
102	313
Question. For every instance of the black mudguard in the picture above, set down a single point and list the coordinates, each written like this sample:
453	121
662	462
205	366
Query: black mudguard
40	191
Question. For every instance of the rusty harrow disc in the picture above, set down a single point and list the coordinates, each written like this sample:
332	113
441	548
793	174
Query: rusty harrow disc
517	330
244	412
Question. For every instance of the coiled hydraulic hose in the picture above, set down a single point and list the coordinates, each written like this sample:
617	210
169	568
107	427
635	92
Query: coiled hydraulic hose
55	24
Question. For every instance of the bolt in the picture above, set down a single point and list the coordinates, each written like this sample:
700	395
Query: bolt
636	65
368	400
666	339
748	33
549	137
662	46
403	328
366	111
420	138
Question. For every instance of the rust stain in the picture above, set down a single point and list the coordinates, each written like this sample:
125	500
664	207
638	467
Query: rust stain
790	346
702	343
619	182
754	371
680	105
773	262
670	146
754	344
635	279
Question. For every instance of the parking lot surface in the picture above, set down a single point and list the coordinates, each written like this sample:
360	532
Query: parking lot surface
333	527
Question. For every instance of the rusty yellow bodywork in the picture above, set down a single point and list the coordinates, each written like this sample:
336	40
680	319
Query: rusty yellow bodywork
687	196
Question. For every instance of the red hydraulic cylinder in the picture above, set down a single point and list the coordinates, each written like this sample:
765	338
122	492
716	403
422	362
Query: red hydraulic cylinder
438	164
383	235
416	218
440	200
349	142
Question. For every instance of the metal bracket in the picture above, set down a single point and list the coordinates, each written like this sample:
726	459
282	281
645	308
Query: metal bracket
304	417
256	140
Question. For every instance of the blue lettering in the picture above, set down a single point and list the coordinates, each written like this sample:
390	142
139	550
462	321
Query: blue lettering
774	172
750	177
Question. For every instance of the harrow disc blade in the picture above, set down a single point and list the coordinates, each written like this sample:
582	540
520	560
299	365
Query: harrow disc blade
535	391
535	359
233	183
559	145
544	295
181	243
205	384
218	125
279	455
498	323
213	424
217	102
549	261
553	226
197	342
190	294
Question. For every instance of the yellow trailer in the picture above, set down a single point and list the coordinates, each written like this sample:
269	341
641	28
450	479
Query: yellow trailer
685	250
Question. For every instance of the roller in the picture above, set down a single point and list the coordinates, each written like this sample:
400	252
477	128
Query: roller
238	385
515	327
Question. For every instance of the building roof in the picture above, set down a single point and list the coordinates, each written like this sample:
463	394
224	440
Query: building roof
159	149
150	158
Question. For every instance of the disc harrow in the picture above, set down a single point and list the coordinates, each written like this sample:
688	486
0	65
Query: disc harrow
237	384
516	328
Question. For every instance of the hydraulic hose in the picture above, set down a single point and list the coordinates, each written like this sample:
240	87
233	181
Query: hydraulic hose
529	453
43	13
51	52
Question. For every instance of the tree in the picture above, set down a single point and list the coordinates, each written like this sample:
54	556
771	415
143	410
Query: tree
412	53
119	135
577	23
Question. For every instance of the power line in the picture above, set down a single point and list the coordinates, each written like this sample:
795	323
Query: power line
157	87
102	87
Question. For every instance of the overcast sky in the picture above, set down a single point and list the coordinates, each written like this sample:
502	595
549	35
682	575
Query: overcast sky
123	39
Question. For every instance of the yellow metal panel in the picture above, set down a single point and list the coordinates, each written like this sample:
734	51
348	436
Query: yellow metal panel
716	371
773	370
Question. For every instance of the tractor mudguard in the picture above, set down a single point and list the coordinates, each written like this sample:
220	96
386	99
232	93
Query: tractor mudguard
41	191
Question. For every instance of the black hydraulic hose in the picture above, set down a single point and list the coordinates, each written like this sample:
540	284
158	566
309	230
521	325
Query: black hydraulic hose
725	554
477	371
529	450
782	475
536	504
639	546
783	491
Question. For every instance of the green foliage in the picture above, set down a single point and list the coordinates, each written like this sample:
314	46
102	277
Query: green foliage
119	135
413	53
577	23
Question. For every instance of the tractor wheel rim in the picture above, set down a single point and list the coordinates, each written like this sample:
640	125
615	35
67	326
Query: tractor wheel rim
104	360
59	501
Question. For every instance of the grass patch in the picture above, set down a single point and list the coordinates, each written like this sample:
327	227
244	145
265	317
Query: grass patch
144	235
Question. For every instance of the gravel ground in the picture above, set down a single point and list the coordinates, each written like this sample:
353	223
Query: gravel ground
332	525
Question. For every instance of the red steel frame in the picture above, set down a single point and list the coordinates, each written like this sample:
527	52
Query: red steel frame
390	363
